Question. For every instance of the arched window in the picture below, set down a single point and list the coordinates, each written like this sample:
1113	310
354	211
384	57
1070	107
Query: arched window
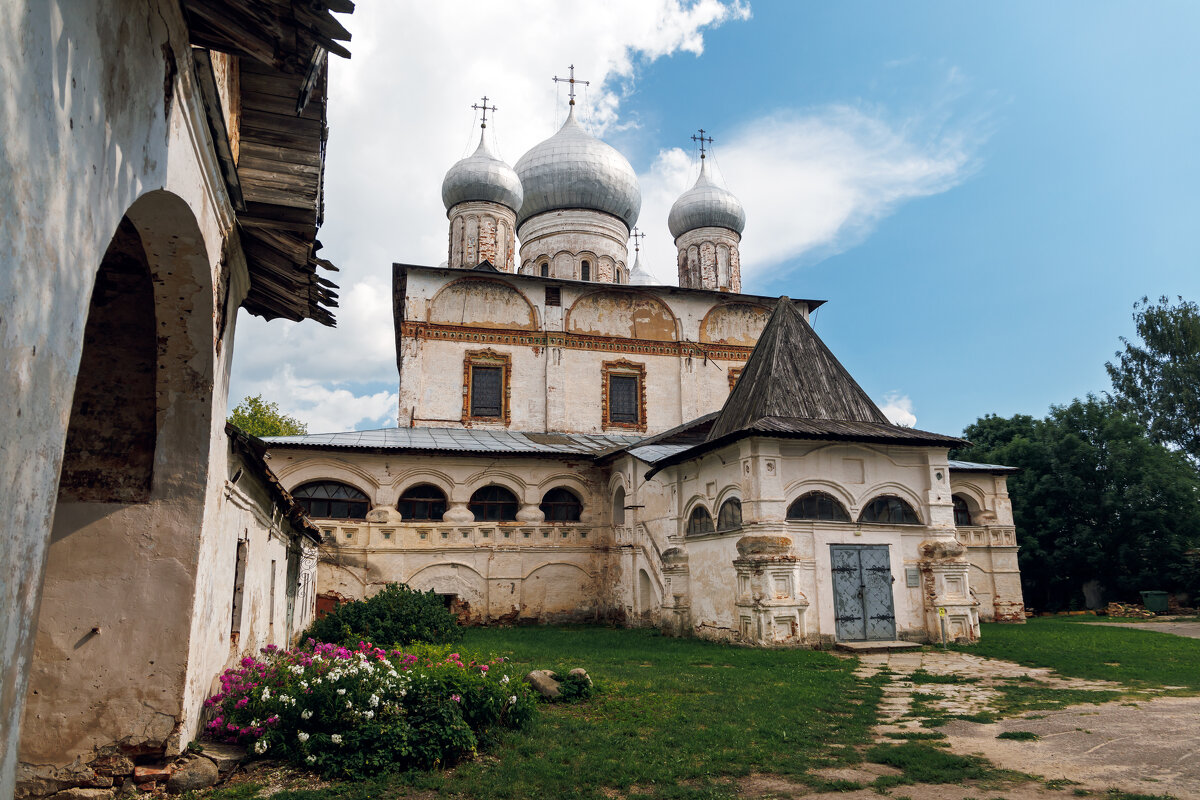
962	512
493	504
618	511
889	510
817	505
332	500
424	502
545	269
699	522
585	271
561	505
730	515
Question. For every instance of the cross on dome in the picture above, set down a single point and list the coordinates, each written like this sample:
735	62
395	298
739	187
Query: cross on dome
571	81
486	108
637	237
702	139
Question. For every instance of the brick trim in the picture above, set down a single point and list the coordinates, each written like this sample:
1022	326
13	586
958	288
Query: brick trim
734	374
627	368
487	358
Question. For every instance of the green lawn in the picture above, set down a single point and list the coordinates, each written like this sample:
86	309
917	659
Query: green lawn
1137	658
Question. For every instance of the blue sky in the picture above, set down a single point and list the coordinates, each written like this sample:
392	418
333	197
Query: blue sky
1014	176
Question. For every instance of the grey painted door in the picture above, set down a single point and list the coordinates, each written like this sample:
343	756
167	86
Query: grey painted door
862	592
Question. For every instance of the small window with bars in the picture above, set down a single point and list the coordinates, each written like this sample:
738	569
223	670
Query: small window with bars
623	399
487	391
553	296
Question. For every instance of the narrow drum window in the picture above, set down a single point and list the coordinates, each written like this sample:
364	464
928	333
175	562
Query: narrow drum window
424	503
561	505
585	271
332	500
700	521
487	391
545	269
623	403
493	504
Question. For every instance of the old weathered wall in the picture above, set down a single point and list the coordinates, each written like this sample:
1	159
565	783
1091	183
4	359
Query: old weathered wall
528	569
991	542
689	343
100	110
564	239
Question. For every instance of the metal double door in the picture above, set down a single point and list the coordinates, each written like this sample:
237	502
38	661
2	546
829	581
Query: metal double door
862	592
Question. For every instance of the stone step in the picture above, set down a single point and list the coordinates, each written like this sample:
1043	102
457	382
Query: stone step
877	647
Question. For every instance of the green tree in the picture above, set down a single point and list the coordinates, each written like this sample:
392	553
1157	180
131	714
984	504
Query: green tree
1096	499
257	417
1157	381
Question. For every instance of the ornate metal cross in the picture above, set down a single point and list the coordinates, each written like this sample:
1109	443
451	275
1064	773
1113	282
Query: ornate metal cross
637	237
486	108
571	80
702	139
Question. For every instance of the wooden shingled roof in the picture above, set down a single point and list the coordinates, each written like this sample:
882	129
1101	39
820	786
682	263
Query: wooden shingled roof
793	387
275	175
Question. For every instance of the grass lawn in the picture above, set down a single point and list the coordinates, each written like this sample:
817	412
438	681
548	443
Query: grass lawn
1139	659
671	718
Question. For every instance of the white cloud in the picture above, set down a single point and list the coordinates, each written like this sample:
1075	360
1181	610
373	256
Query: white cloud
899	409
813	183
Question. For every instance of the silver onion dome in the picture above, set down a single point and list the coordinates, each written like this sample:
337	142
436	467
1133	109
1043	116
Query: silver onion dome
706	205
639	275
482	177
573	169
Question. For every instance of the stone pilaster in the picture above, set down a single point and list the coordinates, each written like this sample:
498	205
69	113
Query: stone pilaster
770	607
709	258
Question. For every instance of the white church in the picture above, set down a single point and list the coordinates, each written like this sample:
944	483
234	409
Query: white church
577	442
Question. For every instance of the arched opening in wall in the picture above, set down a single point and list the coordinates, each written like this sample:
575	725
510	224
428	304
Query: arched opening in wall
544	269
962	512
889	510
700	521
817	506
561	505
618	509
332	500
493	504
730	516
424	502
645	593
585	271
125	546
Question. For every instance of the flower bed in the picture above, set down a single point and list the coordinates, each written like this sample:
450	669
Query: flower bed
353	713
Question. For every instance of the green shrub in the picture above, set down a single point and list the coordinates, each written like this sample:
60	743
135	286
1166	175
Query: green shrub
574	688
397	615
357	713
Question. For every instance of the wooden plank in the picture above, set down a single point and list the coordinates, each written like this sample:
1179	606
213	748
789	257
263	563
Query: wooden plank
274	165
281	155
255	194
283	105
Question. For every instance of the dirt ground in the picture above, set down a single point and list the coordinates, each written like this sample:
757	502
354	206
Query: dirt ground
1189	629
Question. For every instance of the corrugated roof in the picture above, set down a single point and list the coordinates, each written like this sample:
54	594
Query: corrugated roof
460	440
971	466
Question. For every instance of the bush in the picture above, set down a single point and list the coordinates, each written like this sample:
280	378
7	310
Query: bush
355	713
396	616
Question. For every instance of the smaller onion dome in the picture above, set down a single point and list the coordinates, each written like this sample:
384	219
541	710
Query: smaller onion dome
706	205
639	275
482	177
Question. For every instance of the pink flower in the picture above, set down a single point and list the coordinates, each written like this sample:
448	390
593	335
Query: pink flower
483	668
456	698
242	703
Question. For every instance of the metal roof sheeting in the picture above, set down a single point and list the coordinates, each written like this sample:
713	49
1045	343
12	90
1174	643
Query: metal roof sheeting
460	440
971	466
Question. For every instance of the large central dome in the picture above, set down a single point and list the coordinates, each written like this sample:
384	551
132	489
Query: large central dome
573	169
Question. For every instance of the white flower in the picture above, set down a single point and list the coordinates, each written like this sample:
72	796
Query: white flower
298	669
336	738
504	679
369	714
341	691
302	736
373	701
253	723
311	760
349	704
303	684
513	699
283	698
260	746
266	693
306	714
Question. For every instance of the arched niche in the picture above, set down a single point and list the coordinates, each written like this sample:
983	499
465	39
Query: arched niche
734	323
630	314
482	303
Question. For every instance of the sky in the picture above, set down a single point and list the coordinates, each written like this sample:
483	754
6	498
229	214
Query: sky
980	192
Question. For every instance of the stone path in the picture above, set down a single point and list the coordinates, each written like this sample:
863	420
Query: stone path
1189	629
973	697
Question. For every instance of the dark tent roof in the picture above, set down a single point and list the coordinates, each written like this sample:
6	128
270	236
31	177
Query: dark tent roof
793	387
